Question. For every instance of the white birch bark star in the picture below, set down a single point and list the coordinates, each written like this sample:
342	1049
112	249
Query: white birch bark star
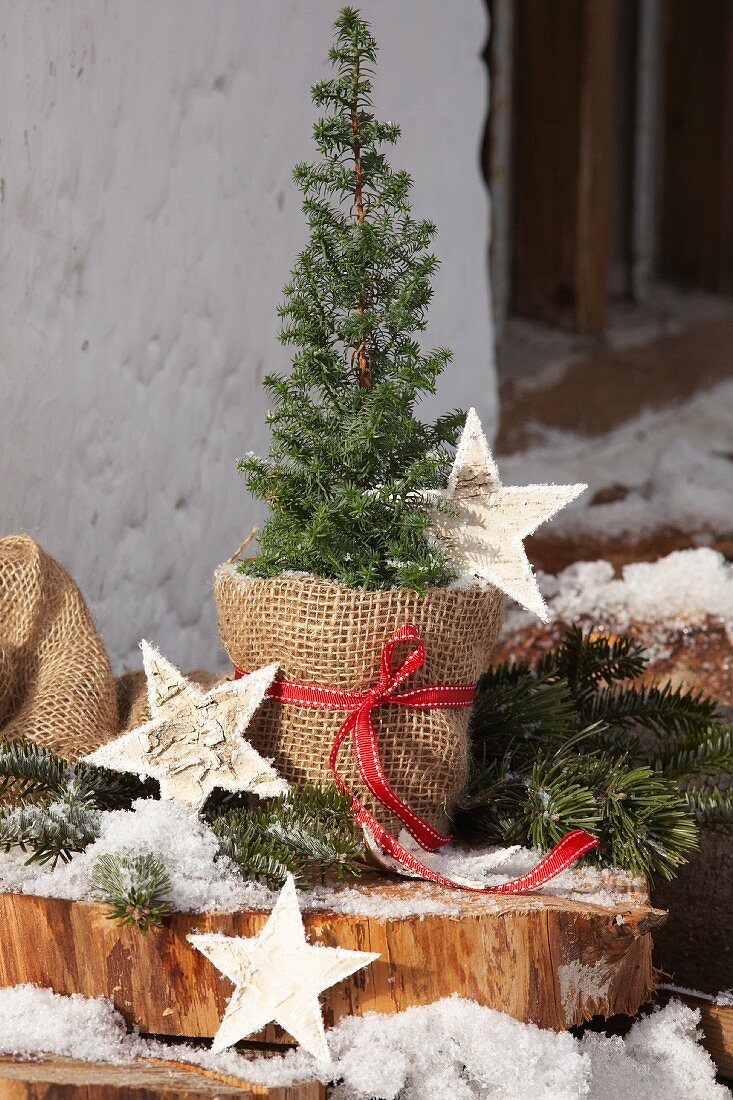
278	976
193	742
484	540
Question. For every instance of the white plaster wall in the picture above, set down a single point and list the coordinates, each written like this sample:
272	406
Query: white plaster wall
147	225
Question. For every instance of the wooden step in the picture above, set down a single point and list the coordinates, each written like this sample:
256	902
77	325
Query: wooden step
52	1078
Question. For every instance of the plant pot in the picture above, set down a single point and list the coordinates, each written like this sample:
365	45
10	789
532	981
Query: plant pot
326	634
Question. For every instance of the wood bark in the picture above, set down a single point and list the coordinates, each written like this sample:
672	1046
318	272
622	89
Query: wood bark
539	958
69	1079
563	155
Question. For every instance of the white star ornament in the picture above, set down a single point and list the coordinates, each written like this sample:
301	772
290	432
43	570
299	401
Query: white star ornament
278	976
484	540
193	742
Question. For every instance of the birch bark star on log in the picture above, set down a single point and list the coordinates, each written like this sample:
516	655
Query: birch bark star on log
277	976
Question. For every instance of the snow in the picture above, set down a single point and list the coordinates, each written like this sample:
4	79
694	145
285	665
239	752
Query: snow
674	463
185	844
453	1048
36	1021
200	882
686	586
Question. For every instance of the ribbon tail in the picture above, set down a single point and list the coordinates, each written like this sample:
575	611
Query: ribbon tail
566	852
372	772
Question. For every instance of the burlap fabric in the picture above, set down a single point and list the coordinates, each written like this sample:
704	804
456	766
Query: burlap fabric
56	683
333	636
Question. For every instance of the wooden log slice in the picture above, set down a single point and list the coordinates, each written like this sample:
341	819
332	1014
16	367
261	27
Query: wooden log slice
53	1078
542	958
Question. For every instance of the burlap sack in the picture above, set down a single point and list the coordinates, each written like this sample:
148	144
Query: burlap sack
333	636
56	683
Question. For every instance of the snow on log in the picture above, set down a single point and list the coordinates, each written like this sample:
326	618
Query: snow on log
716	1023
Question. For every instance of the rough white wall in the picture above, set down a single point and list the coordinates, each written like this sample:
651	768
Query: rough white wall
148	223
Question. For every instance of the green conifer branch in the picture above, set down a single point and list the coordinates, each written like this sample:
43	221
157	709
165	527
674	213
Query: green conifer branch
258	857
29	770
662	710
50	831
565	743
135	886
586	660
713	809
307	832
695	756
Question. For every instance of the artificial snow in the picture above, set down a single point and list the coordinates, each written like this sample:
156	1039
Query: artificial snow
184	843
673	464
685	587
453	1048
201	882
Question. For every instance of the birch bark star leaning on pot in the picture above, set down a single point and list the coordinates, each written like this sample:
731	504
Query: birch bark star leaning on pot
379	581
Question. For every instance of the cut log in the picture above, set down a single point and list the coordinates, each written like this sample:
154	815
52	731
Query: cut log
69	1079
540	958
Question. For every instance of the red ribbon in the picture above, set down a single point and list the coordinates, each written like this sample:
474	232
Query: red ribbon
358	722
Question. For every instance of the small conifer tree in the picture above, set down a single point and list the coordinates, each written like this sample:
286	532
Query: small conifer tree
350	461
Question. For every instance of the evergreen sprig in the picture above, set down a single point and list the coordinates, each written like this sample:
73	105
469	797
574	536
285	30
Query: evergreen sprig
135	886
53	806
572	742
308	831
713	809
53	830
29	770
350	463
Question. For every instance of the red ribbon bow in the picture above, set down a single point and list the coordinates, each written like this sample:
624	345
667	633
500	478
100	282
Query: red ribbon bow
360	705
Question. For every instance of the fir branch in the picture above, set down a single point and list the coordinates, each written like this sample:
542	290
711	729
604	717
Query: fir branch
696	756
135	886
257	856
51	831
587	659
663	709
564	743
712	808
29	770
309	830
510	707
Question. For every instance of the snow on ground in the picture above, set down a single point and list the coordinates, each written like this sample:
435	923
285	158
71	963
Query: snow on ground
676	464
453	1048
685	587
201	882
